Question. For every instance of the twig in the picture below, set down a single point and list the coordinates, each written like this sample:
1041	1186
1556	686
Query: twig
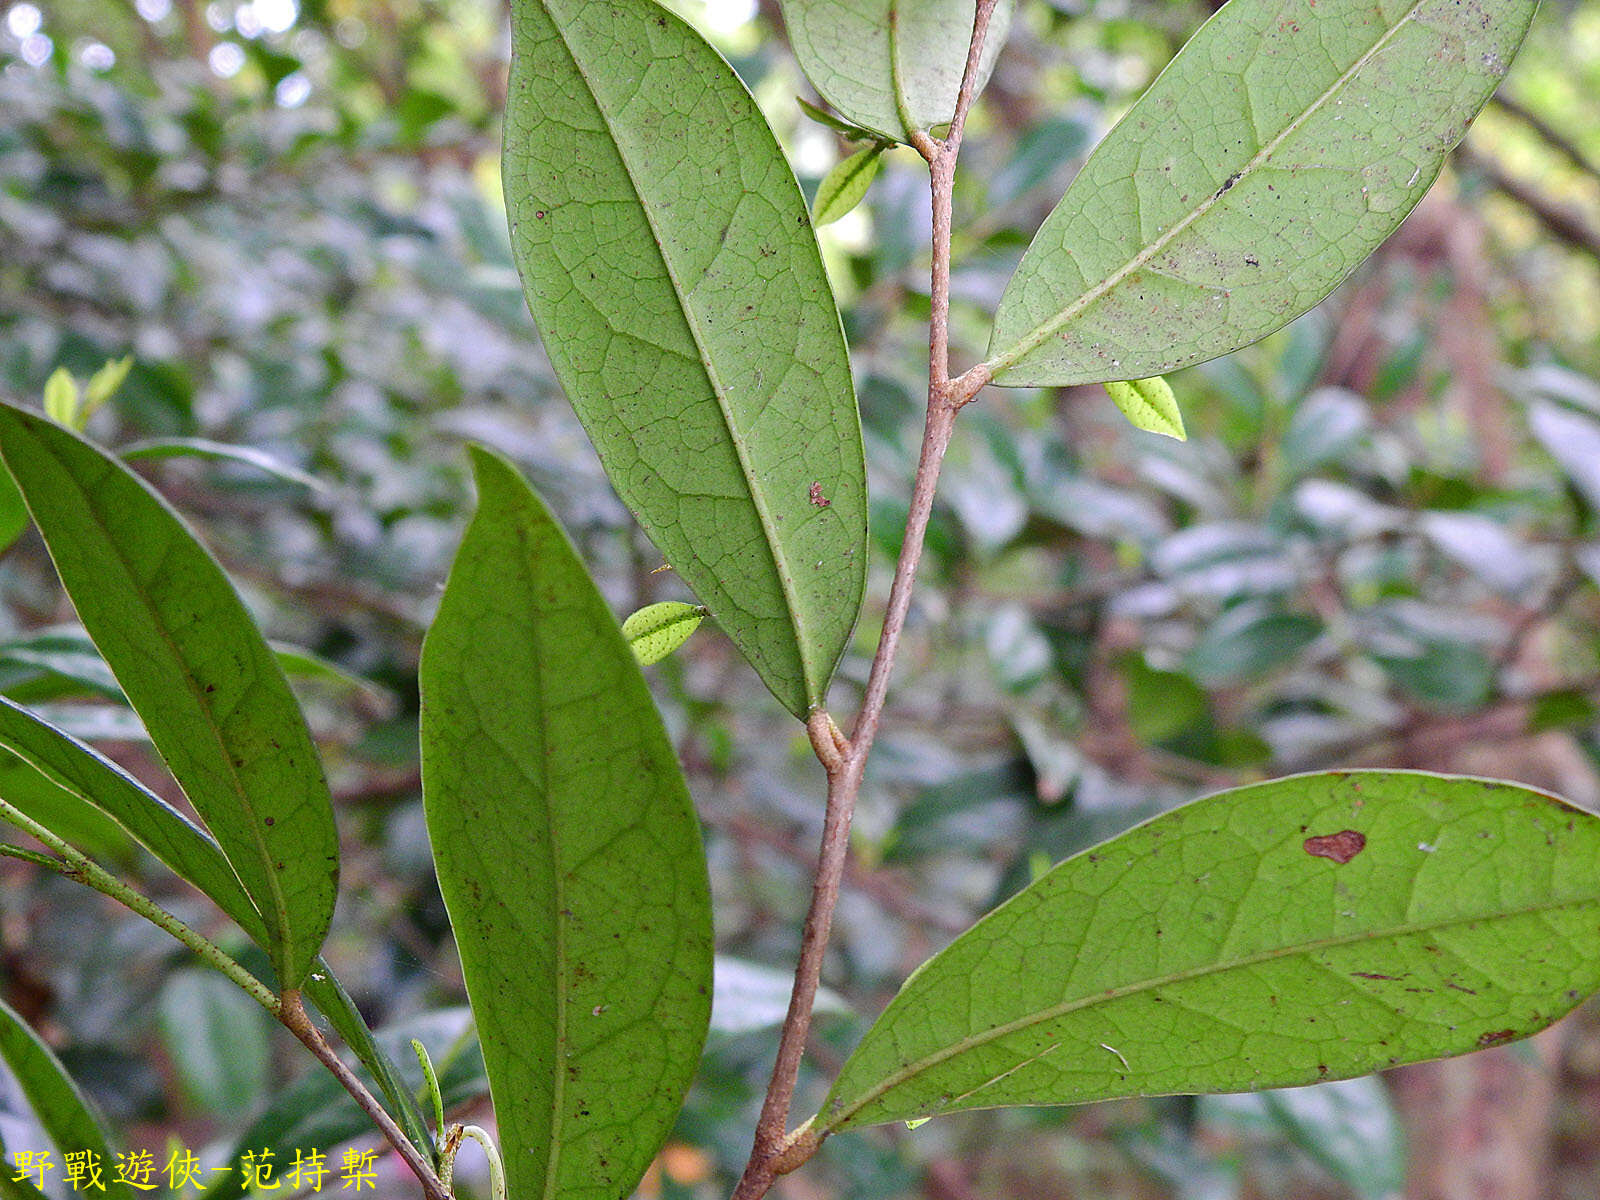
1563	222
775	1153
293	1015
75	865
1558	141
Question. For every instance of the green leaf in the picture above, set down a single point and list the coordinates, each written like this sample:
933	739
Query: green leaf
299	663
893	66
100	783
325	991
61	397
216	1037
38	796
61	1109
1150	405
823	117
103	787
103	385
66	653
1161	704
1281	145
13	512
683	303
187	447
568	854
656	630
196	669
1316	927
846	185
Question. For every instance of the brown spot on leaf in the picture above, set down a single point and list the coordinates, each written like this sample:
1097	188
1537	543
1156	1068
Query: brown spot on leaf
1498	1037
816	495
1341	847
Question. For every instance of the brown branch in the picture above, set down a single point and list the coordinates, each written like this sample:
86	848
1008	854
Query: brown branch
774	1152
1557	141
1564	223
293	1015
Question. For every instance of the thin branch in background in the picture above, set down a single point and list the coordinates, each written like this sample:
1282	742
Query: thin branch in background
1564	223
1554	138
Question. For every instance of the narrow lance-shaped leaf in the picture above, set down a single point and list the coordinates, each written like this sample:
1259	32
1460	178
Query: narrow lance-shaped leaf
893	66
62	1110
1315	927
846	185
185	447
1281	145
99	783
669	262
195	667
568	855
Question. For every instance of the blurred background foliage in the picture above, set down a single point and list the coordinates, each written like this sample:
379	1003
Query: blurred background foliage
1380	546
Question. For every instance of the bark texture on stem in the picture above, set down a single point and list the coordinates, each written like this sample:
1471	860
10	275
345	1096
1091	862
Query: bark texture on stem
775	1152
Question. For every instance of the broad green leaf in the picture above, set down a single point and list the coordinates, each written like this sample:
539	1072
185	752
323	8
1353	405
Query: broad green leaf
196	669
1315	927
68	652
1281	145
189	852
568	854
249	456
656	630
669	261
846	185
61	1109
893	66
1149	404
216	1037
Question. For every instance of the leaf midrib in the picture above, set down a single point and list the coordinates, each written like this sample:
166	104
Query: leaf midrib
1065	1008
558	905
780	563
284	927
1042	332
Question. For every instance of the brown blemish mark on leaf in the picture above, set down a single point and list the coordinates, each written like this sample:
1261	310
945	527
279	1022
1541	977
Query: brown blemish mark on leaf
1497	1038
1341	847
816	495
1372	975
